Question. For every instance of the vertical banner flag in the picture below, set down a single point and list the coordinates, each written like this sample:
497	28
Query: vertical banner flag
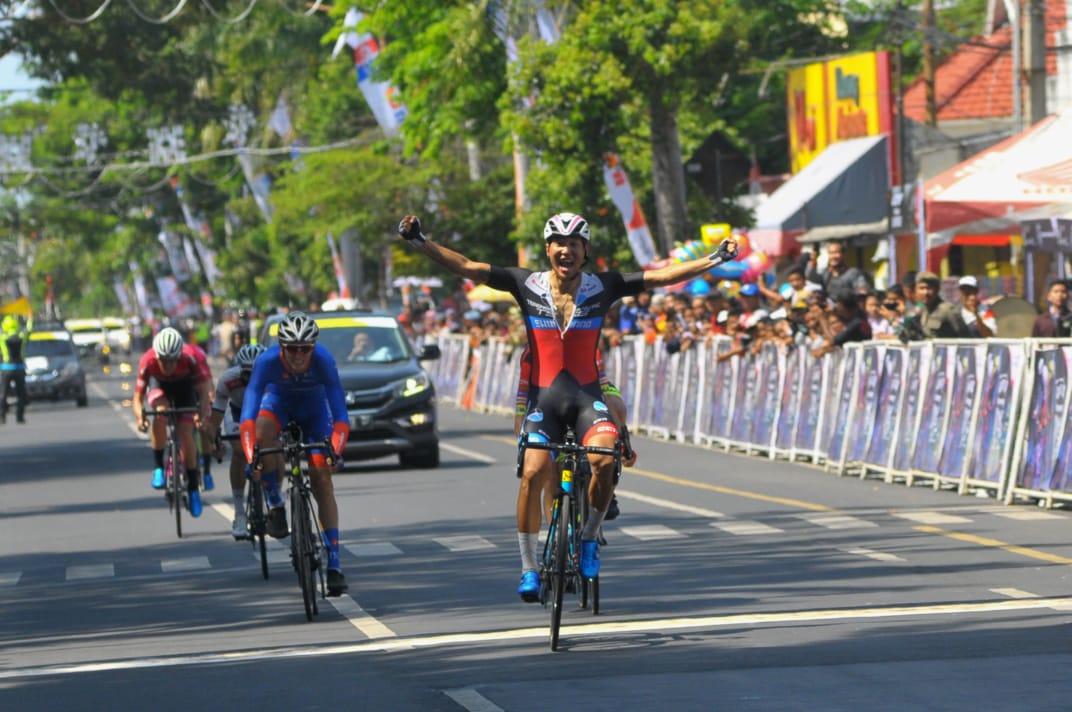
621	193
382	97
336	262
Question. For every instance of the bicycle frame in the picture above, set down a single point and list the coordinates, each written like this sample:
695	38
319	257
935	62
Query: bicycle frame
173	460
560	563
307	539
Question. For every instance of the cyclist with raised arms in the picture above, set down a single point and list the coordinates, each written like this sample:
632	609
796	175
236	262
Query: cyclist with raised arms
297	380
230	388
173	374
564	310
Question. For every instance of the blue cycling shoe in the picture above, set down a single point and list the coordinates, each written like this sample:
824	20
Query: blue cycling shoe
158	478
209	484
529	589
589	558
195	503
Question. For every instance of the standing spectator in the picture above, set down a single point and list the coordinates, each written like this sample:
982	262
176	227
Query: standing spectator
880	325
836	278
750	298
1056	321
910	299
628	315
12	368
977	316
847	322
939	318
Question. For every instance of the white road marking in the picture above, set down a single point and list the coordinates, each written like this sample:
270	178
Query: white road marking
10	579
836	521
668	504
373	548
472	700
1030	515
871	554
652	532
190	563
90	571
1013	593
464	543
360	619
931	517
471	454
745	527
742	620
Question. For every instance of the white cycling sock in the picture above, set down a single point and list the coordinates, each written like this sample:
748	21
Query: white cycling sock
239	498
591	527
527	543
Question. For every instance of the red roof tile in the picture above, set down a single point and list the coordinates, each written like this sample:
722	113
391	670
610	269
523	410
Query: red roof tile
975	82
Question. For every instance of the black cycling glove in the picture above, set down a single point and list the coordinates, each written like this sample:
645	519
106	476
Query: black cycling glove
414	232
723	254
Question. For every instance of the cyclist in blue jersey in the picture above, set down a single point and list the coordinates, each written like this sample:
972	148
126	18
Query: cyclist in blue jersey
564	309
297	380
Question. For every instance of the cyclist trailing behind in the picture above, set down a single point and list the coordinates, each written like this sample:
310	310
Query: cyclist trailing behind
564	309
230	388
297	380
173	374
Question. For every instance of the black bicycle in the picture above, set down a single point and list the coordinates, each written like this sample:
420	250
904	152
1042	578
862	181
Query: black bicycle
174	468
256	510
306	538
560	564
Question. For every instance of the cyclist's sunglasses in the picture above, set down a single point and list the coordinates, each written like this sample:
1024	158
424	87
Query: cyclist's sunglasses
298	348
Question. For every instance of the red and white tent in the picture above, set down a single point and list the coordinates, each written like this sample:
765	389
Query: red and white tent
1027	176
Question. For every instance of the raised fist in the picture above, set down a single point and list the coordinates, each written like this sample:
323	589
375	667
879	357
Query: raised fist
410	228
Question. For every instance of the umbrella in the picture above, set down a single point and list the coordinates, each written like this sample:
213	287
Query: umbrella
484	293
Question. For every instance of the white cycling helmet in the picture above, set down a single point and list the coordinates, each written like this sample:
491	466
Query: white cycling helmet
297	328
248	354
167	344
566	225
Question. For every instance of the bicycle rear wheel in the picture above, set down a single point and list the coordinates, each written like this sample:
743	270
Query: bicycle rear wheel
561	524
176	482
256	519
300	550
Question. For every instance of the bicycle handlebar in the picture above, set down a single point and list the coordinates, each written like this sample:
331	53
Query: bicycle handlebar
571	448
295	448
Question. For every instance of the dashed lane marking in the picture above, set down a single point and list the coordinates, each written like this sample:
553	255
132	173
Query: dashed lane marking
746	528
472	700
373	548
931	517
464	543
871	554
837	521
90	571
389	644
189	563
1013	593
652	532
471	454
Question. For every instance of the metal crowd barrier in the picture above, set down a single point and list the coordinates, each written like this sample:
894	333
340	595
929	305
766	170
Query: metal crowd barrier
979	416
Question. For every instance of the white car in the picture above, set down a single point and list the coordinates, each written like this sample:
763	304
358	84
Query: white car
116	334
89	336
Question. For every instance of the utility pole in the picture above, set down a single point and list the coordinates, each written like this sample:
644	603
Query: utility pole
929	26
1035	54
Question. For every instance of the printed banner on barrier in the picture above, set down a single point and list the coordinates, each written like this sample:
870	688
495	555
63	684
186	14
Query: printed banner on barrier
958	434
843	406
933	410
1045	422
997	411
865	402
888	407
916	370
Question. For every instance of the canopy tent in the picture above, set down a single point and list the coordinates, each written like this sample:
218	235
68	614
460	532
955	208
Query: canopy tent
1024	177
845	187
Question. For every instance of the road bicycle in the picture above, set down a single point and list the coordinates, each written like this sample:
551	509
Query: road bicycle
256	510
174	467
560	564
307	546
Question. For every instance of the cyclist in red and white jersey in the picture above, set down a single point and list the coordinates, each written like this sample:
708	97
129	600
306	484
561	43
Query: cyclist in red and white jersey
230	388
564	309
173	374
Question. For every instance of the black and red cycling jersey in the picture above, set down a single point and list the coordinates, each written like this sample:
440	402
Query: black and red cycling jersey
571	348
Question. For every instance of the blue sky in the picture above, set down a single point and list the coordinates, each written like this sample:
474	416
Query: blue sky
12	77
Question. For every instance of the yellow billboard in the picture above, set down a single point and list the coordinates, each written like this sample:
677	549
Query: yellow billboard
843	98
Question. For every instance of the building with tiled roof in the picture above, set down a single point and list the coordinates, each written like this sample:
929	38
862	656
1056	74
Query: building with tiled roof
974	88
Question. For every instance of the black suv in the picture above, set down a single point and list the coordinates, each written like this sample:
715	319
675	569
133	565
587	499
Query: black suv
390	398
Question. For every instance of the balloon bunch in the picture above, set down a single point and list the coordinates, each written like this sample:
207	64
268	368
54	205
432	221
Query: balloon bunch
748	267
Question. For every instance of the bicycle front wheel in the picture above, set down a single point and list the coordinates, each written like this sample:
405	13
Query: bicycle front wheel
176	483
561	524
301	549
256	518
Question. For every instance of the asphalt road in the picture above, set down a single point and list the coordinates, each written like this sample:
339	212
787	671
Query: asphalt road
729	583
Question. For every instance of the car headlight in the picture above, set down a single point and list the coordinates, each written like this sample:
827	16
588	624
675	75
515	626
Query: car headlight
413	385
